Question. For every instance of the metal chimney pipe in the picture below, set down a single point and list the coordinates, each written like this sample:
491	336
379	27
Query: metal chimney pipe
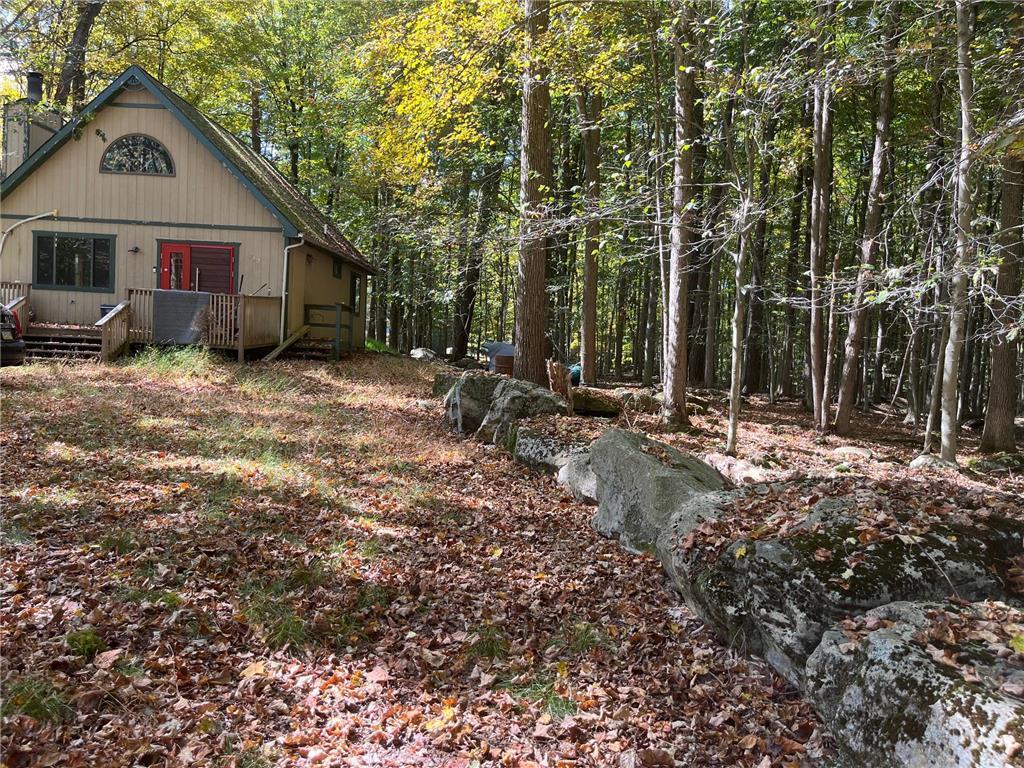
34	87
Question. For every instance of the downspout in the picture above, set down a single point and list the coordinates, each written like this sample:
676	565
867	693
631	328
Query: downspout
284	281
6	232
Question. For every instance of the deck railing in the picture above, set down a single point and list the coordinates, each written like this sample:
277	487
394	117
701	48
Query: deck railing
234	320
15	297
115	331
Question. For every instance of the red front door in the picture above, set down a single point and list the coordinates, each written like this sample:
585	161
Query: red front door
197	267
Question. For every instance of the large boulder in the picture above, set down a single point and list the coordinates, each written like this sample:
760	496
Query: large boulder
638	400
918	684
589	401
536	448
512	400
444	381
423	353
642	484
777	594
469	400
577	476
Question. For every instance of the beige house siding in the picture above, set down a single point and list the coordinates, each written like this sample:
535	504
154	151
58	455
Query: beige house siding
322	287
202	202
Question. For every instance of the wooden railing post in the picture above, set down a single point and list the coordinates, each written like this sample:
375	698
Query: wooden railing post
241	328
336	354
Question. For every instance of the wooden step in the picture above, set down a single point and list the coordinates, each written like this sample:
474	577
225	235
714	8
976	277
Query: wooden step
62	346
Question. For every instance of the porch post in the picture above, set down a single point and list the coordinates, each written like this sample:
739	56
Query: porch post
241	328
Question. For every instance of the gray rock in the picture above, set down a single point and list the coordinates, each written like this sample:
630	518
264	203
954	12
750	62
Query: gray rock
739	471
595	402
930	461
642	484
469	364
777	597
888	702
469	399
512	400
578	477
852	453
530	446
422	353
444	381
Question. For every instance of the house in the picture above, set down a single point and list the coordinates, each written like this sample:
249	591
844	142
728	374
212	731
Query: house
146	218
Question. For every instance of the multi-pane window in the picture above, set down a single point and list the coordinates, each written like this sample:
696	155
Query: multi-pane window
74	261
137	153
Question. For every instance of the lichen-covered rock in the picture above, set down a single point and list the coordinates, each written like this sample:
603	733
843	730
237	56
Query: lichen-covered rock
890	697
578	477
740	471
929	461
469	399
642	484
534	448
443	382
512	400
777	596
595	402
853	453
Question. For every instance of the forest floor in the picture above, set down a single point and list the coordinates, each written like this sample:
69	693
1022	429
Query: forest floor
297	564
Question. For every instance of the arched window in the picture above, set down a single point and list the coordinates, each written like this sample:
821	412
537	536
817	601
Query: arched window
137	153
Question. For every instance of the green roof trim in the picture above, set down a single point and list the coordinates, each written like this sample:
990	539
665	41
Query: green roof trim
288	205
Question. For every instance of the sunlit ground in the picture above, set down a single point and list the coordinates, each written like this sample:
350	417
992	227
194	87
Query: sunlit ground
208	564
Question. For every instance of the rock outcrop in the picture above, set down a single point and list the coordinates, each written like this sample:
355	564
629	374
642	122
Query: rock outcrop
642	484
894	690
469	399
511	401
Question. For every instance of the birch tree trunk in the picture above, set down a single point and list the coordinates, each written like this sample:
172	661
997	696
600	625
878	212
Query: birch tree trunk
964	211
674	410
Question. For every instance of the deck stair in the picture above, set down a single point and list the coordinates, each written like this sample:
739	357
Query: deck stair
67	344
311	349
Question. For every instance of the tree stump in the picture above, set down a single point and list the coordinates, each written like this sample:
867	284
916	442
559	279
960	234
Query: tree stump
560	382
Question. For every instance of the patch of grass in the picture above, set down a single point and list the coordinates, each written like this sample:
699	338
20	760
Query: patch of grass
377	346
36	698
580	637
370	549
313	574
84	642
119	541
490	643
373	596
267	608
264	383
165	597
14	534
129	668
175	361
541	691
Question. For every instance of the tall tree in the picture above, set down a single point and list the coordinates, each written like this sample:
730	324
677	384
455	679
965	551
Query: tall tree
674	411
589	107
534	191
998	433
872	227
964	239
72	73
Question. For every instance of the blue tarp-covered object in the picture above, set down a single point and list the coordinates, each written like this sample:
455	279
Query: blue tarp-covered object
495	348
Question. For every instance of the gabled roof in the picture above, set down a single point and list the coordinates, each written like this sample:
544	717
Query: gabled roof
293	209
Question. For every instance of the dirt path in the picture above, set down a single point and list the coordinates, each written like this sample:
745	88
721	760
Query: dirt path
298	565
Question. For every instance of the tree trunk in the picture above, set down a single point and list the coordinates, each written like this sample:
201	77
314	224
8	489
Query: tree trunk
1002	393
589	109
674	411
465	301
872	233
821	197
534	188
255	120
753	375
964	241
72	73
